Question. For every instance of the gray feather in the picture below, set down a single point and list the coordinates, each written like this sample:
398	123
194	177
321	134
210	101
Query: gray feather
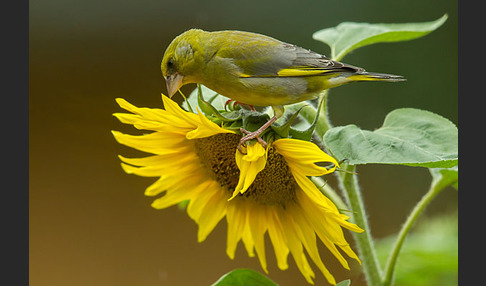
263	56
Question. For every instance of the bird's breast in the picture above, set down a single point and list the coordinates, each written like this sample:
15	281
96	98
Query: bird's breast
263	91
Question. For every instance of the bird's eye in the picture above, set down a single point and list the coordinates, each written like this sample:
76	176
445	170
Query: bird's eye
170	63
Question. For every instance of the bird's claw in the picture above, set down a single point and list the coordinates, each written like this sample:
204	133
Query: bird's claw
250	135
256	134
251	107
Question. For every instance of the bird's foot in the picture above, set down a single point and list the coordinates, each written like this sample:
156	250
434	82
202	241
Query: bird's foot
250	135
251	107
254	135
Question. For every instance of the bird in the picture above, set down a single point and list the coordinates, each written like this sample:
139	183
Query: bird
255	70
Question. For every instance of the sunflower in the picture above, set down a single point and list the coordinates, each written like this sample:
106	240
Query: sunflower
262	191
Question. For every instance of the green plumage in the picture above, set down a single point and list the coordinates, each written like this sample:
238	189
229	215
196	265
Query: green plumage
255	69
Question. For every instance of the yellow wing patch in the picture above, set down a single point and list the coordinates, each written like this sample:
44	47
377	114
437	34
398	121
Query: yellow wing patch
291	72
301	72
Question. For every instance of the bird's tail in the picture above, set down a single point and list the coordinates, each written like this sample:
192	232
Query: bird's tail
372	76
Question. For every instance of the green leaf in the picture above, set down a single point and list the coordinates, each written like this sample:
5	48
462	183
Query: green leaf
284	129
408	136
215	99
306	134
211	104
442	178
344	283
349	36
205	106
244	277
209	110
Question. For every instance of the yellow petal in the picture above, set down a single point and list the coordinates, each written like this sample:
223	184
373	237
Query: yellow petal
258	222
303	156
278	240
173	108
168	160
333	249
250	165
313	192
127	118
328	230
171	183
161	170
307	236
214	211
306	150
205	128
157	125
155	143
208	208
175	196
235	223
149	114
347	249
237	220
295	246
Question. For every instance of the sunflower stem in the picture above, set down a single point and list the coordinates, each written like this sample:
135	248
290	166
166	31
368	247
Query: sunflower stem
433	191
324	123
364	241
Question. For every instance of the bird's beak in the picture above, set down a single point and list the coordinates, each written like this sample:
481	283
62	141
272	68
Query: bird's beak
174	82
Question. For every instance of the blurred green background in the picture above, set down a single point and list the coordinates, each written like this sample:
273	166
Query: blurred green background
89	222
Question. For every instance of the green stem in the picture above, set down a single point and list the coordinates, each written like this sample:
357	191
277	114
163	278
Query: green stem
433	191
323	124
364	241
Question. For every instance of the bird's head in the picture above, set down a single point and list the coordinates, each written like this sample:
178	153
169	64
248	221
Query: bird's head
179	64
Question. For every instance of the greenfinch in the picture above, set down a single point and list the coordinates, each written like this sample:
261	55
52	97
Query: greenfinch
255	70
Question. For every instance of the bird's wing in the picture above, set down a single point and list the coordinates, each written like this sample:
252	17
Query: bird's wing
307	63
256	55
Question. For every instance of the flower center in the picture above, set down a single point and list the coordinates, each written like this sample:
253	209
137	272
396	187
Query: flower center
274	185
